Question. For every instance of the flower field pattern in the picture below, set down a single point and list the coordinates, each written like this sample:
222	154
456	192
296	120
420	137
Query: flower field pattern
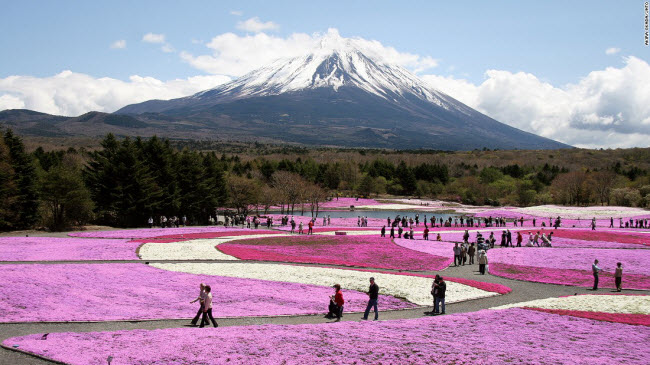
570	266
629	309
65	249
91	292
197	249
629	304
533	337
413	288
360	251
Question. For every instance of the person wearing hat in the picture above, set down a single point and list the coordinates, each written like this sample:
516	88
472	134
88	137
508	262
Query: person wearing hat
373	295
482	261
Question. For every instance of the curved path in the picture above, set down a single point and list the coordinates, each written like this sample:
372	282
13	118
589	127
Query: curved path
521	291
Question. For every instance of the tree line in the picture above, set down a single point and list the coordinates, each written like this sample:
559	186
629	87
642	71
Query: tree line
126	181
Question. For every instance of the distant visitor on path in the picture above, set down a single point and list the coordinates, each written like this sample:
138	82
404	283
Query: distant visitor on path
618	276
482	261
434	292
596	270
383	231
373	295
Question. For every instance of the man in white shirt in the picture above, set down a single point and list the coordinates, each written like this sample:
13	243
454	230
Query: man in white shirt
596	270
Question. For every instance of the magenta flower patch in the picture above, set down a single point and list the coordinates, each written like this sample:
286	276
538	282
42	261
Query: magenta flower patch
360	251
634	319
64	249
90	292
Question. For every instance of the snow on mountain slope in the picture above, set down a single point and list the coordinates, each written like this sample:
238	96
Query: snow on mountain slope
335	62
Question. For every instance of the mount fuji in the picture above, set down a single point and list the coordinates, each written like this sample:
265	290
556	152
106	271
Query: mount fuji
343	92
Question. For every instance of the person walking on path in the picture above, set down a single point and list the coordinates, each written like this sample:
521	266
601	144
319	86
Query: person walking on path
207	308
618	276
201	300
482	262
457	251
373	295
596	270
519	239
508	238
383	231
392	232
440	298
425	235
311	227
471	251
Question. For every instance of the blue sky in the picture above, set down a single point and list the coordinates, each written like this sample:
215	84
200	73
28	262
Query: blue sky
556	44
557	41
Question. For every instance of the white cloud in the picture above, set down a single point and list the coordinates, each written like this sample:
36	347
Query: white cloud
236	12
611	51
235	55
255	25
119	44
71	94
606	108
167	48
11	102
153	38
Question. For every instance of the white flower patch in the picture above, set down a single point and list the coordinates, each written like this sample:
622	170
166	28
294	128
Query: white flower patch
199	249
577	212
632	304
411	288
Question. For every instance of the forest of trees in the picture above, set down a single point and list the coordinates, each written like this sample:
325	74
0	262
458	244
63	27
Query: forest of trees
125	181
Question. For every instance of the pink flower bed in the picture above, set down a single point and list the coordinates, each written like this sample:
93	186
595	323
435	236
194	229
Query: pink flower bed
361	251
573	277
62	249
561	242
155	232
435	248
634	261
532	337
627	318
604	236
101	292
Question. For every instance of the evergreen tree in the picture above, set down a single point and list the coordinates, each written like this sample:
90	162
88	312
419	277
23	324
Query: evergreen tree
8	190
25	180
65	199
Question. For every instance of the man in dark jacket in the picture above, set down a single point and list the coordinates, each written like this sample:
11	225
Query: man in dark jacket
373	294
440	298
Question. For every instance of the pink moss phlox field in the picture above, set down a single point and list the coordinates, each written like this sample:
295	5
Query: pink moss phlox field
204	235
627	318
524	337
100	292
604	235
634	261
431	247
561	242
573	277
360	251
154	232
62	249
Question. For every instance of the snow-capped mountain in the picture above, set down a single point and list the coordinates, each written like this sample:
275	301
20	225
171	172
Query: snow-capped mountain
346	89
